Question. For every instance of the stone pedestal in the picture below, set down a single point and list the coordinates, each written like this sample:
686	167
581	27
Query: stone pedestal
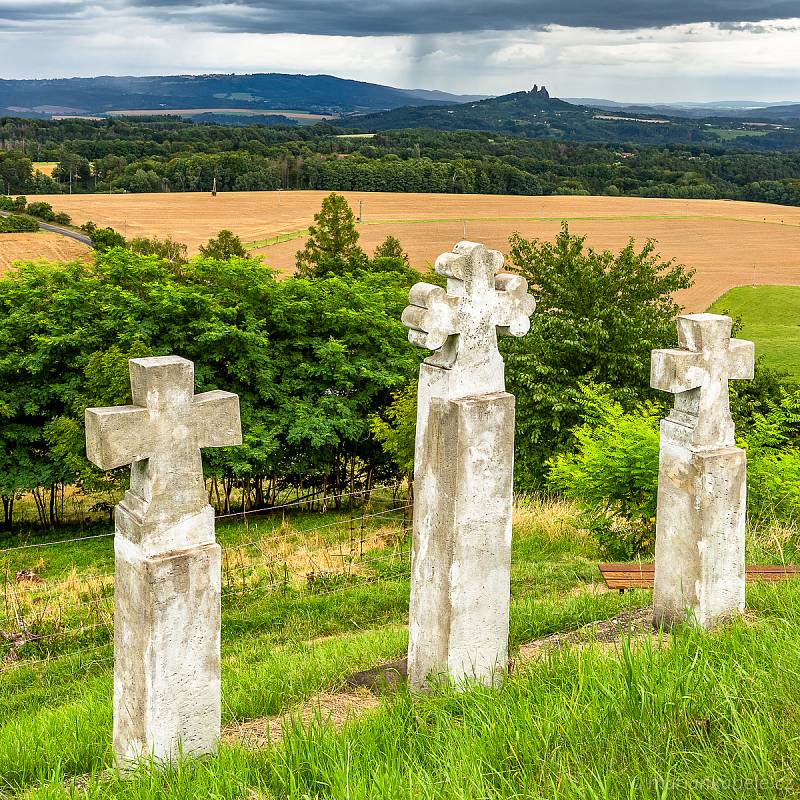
167	699
463	469
461	560
168	565
702	479
700	569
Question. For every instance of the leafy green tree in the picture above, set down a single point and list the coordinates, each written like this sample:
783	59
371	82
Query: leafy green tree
223	246
395	428
16	171
312	362
390	247
332	247
598	316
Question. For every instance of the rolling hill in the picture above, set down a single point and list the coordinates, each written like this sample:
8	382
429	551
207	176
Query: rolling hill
536	114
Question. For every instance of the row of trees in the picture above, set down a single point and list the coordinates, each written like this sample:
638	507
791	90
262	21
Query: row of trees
321	362
181	156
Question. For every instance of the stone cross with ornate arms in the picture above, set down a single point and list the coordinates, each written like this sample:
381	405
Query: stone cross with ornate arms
698	373
462	323
168	584
702	481
458	620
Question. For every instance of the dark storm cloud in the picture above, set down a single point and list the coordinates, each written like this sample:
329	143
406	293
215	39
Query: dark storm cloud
388	17
367	17
22	11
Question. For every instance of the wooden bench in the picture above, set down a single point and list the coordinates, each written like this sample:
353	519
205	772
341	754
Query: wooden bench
642	575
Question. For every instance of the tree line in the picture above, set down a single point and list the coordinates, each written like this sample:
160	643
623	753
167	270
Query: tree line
159	155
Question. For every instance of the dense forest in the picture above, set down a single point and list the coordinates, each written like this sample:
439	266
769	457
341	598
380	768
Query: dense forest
159	154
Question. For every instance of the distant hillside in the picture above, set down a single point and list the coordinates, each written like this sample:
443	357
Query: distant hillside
314	93
535	114
509	112
736	109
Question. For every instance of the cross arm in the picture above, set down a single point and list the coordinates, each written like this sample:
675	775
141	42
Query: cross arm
217	420
741	359
515	305
676	371
117	436
431	316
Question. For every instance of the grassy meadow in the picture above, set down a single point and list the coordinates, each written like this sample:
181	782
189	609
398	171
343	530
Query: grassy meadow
702	715
770	316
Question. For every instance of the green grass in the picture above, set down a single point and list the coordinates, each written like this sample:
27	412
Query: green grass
712	715
771	318
727	133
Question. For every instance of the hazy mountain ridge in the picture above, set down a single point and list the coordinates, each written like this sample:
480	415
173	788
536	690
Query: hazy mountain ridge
737	109
259	91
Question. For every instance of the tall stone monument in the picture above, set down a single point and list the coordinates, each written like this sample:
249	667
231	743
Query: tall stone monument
702	479
463	474
168	566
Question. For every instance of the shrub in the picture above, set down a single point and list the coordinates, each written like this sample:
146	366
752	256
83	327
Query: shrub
42	211
104	239
16	204
18	223
62	219
167	249
613	471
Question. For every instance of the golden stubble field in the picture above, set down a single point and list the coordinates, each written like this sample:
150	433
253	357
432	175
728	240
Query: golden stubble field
729	243
40	246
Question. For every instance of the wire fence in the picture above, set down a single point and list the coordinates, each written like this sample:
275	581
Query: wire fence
42	621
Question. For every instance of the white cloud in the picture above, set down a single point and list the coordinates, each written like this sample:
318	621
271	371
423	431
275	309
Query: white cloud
700	61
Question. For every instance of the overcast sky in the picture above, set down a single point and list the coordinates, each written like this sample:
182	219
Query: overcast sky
617	49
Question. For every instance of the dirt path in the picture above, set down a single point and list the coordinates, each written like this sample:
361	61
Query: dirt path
365	688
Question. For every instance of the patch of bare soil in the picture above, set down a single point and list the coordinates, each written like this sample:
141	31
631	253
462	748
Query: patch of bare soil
607	635
329	709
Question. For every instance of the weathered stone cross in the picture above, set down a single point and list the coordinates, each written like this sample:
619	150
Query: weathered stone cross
463	468
698	374
161	436
702	477
167	587
462	323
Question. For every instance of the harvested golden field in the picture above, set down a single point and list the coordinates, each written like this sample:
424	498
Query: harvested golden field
40	246
45	167
728	243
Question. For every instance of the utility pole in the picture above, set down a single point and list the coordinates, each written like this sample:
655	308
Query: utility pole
214	188
465	230
360	210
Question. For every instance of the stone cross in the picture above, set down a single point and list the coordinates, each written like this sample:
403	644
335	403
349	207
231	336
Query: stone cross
168	582
462	323
702	482
464	453
698	373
